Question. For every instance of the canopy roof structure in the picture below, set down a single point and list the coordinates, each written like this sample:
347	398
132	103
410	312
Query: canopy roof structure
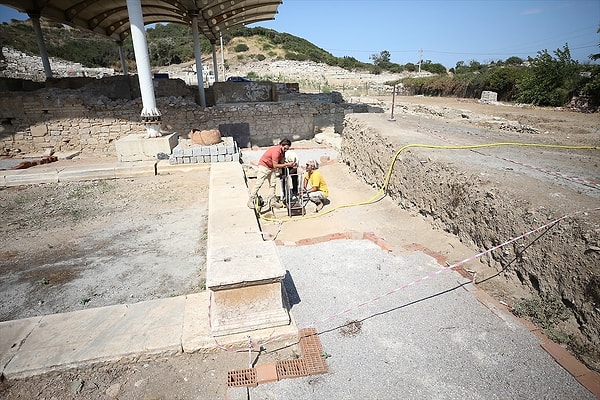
110	17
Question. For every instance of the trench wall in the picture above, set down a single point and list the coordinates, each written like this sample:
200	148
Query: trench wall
90	118
562	262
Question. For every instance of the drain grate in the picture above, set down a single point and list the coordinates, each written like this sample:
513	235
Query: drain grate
241	377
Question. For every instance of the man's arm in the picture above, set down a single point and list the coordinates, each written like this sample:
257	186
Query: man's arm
276	164
304	189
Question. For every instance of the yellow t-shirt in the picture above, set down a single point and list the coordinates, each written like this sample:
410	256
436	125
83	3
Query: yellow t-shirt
316	180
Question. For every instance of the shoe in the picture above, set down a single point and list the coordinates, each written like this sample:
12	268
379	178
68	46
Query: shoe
319	206
251	203
277	204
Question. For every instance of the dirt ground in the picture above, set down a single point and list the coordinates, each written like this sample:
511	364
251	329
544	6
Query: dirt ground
70	246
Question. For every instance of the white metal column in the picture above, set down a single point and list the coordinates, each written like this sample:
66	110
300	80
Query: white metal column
150	114
198	56
222	55
35	19
122	57
213	45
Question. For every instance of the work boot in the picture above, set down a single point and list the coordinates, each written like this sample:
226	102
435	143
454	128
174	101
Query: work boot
319	206
274	203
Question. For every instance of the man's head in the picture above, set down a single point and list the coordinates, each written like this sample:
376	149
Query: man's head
285	144
312	165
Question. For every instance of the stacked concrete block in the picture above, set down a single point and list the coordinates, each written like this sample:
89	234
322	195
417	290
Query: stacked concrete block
191	153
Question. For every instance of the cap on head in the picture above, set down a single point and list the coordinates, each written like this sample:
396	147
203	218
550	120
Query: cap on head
312	164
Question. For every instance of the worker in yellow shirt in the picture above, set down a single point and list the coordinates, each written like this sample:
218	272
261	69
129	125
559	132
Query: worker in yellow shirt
314	184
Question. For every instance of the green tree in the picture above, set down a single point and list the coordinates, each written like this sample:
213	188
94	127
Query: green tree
410	67
382	58
434	68
239	48
596	56
504	81
549	81
514	61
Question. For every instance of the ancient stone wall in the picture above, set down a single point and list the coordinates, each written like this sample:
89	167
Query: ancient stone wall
91	119
17	64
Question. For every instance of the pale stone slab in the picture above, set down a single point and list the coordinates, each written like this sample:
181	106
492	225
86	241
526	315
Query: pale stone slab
135	169
198	337
87	173
12	335
24	177
164	167
243	264
196	334
248	309
229	215
246	287
136	147
102	334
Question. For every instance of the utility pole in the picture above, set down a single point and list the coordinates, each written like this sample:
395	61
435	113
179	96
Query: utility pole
392	118
420	59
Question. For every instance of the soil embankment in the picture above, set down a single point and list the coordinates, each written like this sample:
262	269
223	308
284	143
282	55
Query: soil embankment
490	195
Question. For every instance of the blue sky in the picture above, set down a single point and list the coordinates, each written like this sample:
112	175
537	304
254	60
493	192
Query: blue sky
446	31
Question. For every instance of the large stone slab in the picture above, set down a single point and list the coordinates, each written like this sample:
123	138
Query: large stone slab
136	147
29	177
12	336
246	287
83	337
243	264
229	219
77	173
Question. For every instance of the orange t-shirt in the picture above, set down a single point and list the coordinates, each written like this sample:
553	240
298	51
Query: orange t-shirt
274	153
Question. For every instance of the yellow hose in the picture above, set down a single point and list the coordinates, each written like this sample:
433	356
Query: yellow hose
386	180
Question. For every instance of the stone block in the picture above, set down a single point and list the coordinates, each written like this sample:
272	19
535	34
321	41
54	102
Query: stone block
25	177
145	168
136	147
39	130
92	172
178	151
246	284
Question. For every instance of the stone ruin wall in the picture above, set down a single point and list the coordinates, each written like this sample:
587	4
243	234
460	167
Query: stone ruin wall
88	121
462	203
16	64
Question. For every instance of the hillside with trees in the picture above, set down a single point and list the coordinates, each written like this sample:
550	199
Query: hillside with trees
549	79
